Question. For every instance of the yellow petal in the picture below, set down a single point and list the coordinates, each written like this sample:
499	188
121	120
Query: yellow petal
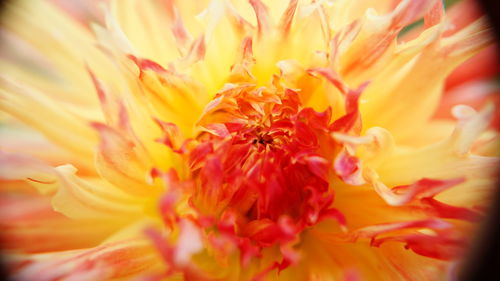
122	161
416	100
28	104
86	199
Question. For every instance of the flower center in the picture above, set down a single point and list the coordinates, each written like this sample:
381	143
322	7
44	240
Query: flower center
260	160
263	139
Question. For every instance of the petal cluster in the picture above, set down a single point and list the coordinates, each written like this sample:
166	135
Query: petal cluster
244	140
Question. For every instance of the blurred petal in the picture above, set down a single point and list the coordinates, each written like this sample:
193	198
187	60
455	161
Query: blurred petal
30	225
116	260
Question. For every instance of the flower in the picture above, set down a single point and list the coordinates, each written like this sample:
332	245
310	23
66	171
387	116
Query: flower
197	141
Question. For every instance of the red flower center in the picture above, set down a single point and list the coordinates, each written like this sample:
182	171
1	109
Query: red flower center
263	159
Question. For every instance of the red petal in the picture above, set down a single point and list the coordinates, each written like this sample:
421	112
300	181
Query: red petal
219	130
442	210
319	166
197	51
287	17
331	76
426	187
375	230
262	14
440	246
351	120
348	168
145	64
335	214
172	136
435	15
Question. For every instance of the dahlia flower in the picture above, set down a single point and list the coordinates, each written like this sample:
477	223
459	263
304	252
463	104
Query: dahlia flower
243	140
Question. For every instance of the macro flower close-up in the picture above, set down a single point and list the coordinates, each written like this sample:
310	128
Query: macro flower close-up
245	140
